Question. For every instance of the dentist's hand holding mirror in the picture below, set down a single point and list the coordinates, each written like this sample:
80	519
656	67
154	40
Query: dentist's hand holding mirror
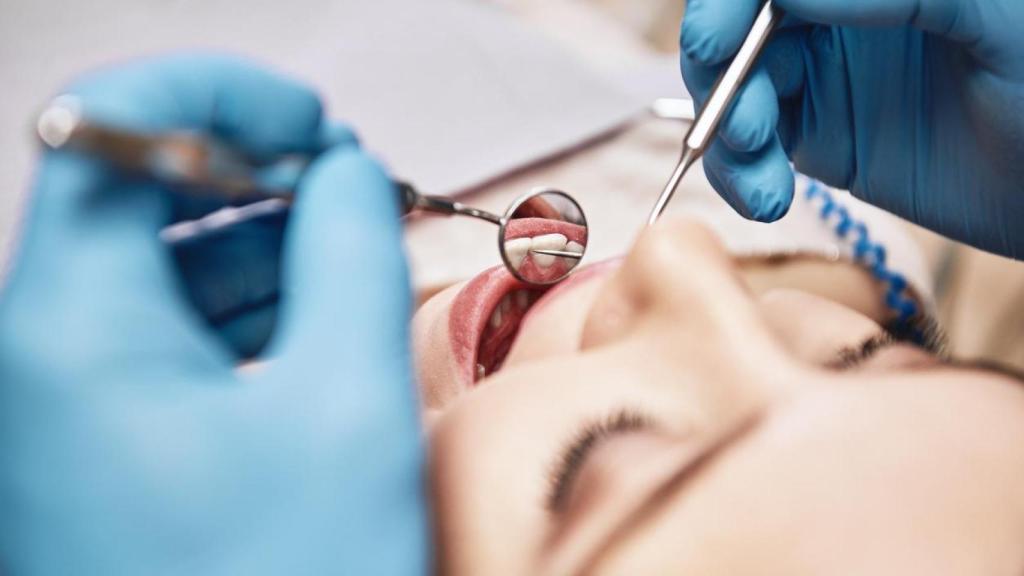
131	442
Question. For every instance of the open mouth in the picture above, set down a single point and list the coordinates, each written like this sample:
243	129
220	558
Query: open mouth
486	314
485	319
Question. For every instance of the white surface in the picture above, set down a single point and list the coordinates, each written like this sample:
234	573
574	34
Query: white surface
450	92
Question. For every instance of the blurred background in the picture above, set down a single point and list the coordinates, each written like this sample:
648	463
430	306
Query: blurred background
440	90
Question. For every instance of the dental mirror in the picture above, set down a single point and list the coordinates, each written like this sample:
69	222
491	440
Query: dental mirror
543	237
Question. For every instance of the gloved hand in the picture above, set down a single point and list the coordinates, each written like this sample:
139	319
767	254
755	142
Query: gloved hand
130	443
915	106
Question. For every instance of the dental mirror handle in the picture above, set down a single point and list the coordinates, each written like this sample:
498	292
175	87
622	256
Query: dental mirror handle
413	200
722	95
199	163
202	165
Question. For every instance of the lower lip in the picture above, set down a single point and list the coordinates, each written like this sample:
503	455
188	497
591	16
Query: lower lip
470	311
473	305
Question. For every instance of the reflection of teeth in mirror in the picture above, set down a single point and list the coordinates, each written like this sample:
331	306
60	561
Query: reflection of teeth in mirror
574	247
547	242
516	251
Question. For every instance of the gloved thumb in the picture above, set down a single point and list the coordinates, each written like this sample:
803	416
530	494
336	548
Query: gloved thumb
345	290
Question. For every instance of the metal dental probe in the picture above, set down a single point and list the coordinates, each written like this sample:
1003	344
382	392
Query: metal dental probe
705	127
559	253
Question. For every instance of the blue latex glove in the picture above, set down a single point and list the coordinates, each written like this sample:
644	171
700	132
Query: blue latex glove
916	106
129	444
233	279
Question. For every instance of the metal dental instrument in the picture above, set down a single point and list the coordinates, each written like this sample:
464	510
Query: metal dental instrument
198	164
559	253
705	127
544	213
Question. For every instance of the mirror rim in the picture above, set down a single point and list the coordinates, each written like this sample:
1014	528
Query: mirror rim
507	216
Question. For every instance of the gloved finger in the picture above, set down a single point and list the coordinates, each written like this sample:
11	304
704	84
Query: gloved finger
345	289
815	124
256	110
91	278
758	185
783	59
790	112
713	30
750	122
93	235
955	19
253	108
233	278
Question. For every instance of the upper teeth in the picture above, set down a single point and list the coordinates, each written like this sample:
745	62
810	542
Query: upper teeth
547	242
520	299
516	251
518	248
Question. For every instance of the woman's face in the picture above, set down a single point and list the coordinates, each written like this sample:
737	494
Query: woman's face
654	416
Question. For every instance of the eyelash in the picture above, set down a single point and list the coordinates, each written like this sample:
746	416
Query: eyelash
567	467
849	358
927	337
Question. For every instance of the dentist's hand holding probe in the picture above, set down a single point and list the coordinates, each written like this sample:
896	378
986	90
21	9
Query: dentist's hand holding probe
916	106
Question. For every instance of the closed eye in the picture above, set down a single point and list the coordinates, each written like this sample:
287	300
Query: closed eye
923	331
572	458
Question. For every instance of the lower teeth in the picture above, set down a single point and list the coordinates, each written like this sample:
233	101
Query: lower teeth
480	371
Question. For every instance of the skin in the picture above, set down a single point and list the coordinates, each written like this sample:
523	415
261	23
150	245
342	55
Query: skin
758	459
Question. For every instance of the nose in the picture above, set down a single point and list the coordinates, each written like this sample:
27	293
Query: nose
678	300
677	273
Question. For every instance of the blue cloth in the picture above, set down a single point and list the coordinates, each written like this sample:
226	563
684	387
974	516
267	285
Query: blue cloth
129	443
915	106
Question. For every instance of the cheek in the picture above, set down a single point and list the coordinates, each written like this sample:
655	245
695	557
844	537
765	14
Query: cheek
813	328
554	328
